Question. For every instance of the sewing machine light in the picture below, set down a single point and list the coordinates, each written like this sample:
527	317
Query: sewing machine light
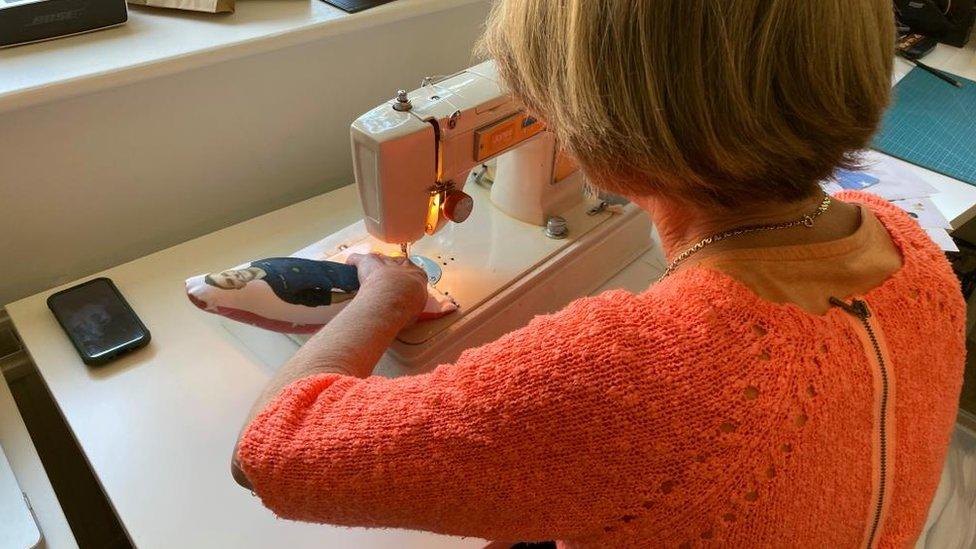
434	219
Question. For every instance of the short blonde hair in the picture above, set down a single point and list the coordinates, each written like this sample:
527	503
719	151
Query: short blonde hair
716	101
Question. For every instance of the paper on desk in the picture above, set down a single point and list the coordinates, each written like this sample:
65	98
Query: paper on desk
925	212
942	239
895	180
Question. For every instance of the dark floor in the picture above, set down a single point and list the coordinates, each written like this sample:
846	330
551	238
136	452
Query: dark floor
92	520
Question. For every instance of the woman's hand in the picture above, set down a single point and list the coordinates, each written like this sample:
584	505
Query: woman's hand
403	283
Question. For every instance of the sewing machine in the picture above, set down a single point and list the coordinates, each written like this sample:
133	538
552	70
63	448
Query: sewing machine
524	245
459	178
413	155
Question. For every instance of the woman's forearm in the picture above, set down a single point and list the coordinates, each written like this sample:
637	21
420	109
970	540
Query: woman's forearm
351	344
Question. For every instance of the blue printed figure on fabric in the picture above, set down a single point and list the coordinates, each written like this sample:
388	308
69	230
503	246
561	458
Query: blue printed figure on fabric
294	280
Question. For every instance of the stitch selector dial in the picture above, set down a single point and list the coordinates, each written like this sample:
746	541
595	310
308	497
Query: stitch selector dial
457	205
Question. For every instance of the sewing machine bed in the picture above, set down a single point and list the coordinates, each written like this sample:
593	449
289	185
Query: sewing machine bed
500	271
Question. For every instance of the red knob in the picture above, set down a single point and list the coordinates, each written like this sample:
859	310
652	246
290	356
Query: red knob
457	206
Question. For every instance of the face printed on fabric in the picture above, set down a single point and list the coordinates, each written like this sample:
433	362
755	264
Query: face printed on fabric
234	279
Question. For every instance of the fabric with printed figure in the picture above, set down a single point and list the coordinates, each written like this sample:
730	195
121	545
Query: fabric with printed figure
295	295
307	282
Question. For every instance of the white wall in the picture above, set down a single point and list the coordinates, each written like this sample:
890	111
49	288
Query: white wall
90	182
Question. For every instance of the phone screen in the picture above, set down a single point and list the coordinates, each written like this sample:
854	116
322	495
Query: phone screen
98	320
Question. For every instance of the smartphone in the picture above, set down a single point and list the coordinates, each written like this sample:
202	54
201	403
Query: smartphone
99	322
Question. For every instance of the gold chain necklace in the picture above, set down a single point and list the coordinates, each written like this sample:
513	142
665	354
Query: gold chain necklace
806	221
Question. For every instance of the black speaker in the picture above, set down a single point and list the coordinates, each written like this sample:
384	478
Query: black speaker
25	21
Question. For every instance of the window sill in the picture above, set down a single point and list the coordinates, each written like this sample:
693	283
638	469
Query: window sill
157	42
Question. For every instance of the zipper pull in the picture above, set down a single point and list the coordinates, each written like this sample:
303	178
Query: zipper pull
856	307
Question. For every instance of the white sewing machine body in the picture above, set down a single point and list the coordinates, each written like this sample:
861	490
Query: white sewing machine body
500	265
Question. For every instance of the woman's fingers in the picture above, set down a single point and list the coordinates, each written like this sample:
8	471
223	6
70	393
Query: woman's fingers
372	264
357	259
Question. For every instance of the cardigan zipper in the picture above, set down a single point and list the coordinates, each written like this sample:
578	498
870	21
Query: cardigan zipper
870	337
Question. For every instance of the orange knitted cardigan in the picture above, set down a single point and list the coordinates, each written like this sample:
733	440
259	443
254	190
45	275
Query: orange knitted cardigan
693	414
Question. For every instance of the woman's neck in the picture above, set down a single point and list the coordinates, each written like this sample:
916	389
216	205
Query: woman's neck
682	224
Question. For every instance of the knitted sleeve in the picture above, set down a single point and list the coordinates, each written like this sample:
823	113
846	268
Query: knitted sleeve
510	431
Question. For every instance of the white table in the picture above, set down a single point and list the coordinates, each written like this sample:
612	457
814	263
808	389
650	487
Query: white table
158	425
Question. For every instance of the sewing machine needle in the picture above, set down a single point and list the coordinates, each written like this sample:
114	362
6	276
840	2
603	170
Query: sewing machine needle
405	248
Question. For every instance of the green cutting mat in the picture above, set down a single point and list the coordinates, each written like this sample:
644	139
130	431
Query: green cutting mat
932	124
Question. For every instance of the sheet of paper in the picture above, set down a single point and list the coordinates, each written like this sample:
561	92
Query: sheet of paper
895	182
925	212
882	176
942	239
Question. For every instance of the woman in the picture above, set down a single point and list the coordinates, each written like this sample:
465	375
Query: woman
791	382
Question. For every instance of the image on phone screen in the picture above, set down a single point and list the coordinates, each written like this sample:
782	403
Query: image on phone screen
98	320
